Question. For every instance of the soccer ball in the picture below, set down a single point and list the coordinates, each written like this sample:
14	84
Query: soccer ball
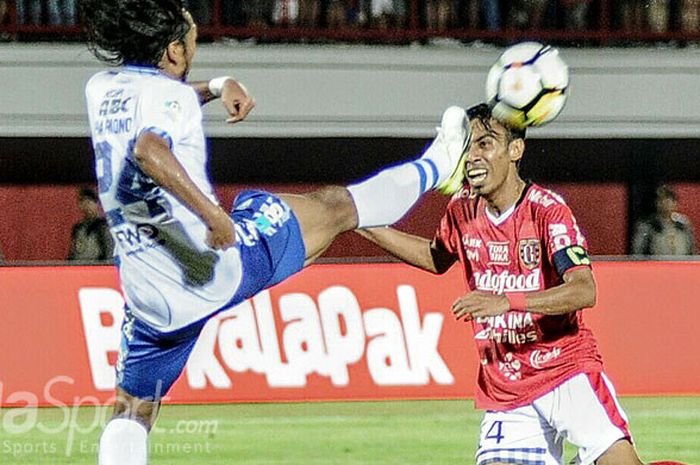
527	86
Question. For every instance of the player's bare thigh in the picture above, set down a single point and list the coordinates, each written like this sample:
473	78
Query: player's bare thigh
620	453
134	408
322	215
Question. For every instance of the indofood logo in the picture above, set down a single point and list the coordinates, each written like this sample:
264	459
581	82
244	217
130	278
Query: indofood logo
499	283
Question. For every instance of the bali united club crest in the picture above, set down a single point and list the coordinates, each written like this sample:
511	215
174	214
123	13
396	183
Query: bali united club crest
530	253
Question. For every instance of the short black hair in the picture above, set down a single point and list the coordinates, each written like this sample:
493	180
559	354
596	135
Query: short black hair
134	32
664	191
87	193
482	112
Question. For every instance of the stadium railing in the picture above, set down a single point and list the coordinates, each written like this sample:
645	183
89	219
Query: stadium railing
603	30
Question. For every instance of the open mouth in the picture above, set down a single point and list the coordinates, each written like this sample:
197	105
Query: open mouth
476	175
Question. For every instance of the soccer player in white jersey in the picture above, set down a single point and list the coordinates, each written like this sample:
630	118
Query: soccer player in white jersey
524	258
181	256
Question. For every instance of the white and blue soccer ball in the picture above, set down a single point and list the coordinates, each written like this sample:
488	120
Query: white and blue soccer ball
527	86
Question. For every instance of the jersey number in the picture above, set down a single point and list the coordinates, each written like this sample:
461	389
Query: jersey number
496	432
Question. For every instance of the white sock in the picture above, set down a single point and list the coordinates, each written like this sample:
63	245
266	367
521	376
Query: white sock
123	442
387	196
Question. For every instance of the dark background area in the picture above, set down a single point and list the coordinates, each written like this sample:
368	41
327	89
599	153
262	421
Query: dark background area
638	163
609	183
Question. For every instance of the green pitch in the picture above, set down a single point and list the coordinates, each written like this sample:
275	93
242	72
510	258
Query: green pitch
362	433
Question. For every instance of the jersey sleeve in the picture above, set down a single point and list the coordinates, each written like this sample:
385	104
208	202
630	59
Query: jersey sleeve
567	248
446	233
166	110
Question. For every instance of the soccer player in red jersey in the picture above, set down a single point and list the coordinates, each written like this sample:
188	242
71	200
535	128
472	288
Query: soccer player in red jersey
524	258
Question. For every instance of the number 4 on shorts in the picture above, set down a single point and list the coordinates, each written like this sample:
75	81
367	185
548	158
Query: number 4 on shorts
495	432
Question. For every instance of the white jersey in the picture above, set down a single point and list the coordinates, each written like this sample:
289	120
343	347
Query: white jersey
169	276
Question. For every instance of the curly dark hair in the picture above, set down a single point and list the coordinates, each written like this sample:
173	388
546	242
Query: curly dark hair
134	32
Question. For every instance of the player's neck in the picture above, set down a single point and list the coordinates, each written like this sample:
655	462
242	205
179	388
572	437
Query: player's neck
506	196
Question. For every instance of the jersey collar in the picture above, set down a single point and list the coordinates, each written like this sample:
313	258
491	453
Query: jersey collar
141	69
498	220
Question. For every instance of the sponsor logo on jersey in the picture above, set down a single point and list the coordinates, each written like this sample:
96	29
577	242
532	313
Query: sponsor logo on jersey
498	253
472	246
511	328
539	358
510	367
545	198
173	105
498	283
473	242
530	253
559	236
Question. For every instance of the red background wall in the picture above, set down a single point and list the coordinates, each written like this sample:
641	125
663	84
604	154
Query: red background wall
37	219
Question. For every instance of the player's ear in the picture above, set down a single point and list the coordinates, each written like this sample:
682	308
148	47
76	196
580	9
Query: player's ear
174	52
516	148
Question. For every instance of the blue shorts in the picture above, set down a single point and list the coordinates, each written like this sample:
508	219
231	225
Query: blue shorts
271	249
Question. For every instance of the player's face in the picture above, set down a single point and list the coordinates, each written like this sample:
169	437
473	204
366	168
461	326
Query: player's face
490	158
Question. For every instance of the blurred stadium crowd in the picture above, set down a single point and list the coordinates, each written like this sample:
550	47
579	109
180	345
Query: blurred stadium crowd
618	19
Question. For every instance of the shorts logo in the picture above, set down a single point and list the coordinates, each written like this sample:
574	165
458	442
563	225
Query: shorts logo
498	253
530	253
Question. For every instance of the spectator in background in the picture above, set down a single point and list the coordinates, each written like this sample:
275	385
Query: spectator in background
658	15
631	15
527	14
690	15
575	14
46	12
345	13
666	232
439	14
640	15
90	239
3	16
491	12
386	14
29	12
233	13
258	13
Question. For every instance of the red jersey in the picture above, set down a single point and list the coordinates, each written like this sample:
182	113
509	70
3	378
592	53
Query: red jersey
527	249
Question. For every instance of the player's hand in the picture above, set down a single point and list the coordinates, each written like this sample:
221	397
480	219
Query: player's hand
222	234
478	303
237	101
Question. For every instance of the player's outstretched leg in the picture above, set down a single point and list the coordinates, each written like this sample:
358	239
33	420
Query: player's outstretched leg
124	440
386	197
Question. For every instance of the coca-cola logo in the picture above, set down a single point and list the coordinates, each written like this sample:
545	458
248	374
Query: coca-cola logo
538	358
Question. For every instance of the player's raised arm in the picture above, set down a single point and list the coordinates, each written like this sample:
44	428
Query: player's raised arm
414	250
155	158
234	96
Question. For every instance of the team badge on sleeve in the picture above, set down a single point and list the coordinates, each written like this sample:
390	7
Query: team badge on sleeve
530	253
